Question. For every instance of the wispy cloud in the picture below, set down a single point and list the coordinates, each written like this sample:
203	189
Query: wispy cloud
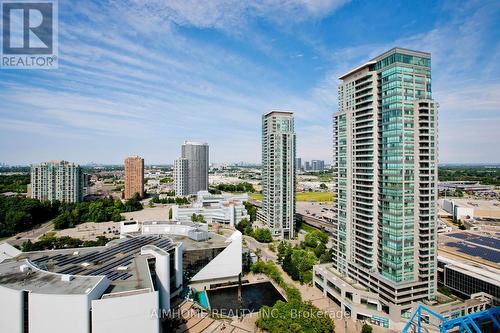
141	76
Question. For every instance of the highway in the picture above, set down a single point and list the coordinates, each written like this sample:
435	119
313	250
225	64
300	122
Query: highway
310	220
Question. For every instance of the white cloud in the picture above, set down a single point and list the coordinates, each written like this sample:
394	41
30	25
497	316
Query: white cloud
228	14
128	69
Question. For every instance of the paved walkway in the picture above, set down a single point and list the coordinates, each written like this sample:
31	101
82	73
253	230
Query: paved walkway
197	320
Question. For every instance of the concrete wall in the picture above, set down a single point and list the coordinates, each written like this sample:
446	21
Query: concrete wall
462	213
448	206
11	310
226	264
58	313
200	232
129	314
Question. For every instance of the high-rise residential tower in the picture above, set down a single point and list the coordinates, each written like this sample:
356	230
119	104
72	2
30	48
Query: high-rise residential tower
191	169
196	153
385	175
278	173
134	176
181	177
318	165
298	163
57	180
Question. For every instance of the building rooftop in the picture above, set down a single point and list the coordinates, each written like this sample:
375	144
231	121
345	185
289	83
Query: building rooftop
401	50
120	261
471	246
476	203
384	55
486	273
195	143
278	112
23	275
214	241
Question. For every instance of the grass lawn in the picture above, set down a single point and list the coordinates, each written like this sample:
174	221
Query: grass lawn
314	196
308	228
256	196
303	196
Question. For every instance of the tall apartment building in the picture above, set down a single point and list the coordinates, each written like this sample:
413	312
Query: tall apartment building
191	173
180	177
385	176
278	173
298	163
134	176
57	180
317	165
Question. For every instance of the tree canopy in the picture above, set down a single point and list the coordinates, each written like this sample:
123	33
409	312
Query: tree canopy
286	316
19	214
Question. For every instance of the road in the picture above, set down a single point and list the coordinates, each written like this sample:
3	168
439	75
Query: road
33	234
308	219
315	222
265	253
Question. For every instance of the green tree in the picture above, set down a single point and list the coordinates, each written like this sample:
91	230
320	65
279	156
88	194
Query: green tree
242	225
262	235
251	210
14	183
303	261
198	218
366	328
170	213
319	250
134	203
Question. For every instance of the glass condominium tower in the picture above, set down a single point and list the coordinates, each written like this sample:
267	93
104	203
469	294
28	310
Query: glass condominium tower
278	173
385	175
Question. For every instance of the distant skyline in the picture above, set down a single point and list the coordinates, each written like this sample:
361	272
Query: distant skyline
141	80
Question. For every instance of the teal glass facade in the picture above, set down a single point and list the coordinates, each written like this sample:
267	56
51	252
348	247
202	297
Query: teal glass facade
403	79
385	173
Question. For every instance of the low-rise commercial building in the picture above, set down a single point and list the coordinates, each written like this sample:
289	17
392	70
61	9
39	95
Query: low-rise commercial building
468	278
458	211
215	208
466	186
114	288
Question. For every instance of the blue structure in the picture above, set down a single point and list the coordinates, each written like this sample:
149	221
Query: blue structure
479	322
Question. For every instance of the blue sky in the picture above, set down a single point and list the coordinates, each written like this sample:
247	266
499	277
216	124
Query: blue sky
137	78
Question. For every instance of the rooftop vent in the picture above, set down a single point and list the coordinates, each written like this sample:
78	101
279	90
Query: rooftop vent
67	278
25	268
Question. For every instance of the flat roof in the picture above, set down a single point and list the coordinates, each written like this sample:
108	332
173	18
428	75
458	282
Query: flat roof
489	274
43	282
356	69
470	246
279	112
476	203
120	261
214	241
384	55
195	143
401	50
